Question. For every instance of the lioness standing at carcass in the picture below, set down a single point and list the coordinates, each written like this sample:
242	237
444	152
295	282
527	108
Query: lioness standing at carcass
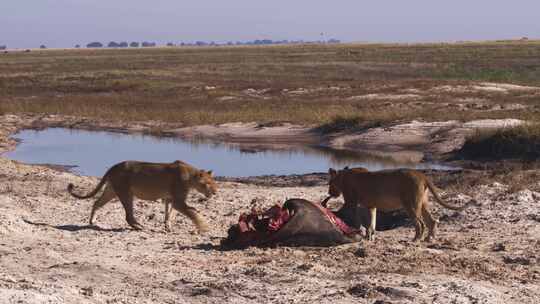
388	190
151	181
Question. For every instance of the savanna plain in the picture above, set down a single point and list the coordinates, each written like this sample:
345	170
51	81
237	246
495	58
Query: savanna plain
472	105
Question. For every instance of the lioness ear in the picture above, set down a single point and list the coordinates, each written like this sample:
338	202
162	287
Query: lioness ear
332	172
210	172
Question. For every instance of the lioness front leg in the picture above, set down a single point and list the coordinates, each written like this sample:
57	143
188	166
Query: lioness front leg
170	213
373	223
190	212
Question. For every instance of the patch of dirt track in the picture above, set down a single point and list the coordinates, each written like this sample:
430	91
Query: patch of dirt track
48	254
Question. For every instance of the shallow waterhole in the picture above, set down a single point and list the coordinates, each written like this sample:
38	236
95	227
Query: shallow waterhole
93	152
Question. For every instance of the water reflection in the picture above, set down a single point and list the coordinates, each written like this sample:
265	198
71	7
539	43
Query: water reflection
94	152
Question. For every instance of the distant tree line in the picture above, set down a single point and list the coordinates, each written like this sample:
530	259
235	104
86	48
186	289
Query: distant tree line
257	42
148	44
123	44
114	44
94	45
134	44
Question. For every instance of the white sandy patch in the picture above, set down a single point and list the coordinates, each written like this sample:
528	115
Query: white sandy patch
303	91
255	92
489	88
227	98
492	123
11	221
451	89
484	87
471	100
299	91
508	86
412	91
379	96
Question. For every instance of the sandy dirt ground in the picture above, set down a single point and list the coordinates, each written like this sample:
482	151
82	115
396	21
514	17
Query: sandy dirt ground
48	254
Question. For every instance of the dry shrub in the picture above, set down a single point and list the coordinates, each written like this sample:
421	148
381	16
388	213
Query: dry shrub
520	142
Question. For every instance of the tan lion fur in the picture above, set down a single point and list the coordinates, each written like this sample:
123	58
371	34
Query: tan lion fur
170	182
388	190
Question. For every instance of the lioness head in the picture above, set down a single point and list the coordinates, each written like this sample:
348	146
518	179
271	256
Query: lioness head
204	183
334	185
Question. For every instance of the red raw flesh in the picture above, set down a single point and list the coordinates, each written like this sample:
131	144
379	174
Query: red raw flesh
274	218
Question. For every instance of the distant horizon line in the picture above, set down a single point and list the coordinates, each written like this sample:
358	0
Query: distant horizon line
208	43
191	42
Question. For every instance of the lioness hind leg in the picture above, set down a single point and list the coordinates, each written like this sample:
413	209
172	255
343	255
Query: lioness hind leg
419	228
430	222
418	223
192	214
107	195
170	213
127	202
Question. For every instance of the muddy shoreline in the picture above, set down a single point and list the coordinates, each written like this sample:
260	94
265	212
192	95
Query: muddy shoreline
411	142
48	253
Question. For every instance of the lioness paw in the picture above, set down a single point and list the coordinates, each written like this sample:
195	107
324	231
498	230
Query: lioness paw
203	228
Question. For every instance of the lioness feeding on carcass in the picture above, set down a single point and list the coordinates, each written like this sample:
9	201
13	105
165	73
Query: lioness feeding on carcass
388	190
151	181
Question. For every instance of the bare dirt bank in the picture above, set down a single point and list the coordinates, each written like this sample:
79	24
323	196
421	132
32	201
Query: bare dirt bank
416	141
488	254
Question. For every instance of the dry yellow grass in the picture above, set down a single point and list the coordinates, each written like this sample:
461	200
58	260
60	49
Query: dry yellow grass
309	84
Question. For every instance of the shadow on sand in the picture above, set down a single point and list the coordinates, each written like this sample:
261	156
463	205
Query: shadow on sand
202	247
74	228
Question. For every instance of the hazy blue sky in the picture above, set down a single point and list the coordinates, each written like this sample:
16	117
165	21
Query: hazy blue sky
64	23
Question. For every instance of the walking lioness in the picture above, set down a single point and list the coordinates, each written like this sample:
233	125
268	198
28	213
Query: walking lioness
151	181
388	190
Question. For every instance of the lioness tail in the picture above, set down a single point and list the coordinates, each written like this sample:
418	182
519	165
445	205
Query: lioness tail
440	201
91	194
